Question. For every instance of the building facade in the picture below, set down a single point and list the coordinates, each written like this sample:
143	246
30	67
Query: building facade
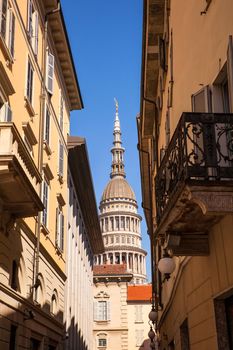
139	306
119	220
38	88
185	137
110	307
84	239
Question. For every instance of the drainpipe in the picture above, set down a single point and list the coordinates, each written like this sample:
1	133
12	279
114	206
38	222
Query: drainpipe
152	251
41	141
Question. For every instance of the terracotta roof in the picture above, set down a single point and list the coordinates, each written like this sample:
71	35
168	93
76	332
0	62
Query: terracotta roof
117	269
139	293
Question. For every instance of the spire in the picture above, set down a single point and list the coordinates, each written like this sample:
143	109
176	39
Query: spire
118	168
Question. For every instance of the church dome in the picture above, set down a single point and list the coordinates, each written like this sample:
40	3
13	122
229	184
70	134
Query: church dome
118	187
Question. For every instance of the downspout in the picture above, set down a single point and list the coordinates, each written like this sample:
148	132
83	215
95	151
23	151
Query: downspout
152	251
157	166
41	142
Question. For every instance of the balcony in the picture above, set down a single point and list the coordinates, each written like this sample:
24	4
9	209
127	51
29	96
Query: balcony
194	183
19	177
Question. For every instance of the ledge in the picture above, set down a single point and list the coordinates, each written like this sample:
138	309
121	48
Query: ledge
29	107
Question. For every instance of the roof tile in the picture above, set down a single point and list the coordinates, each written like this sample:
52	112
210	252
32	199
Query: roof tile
139	293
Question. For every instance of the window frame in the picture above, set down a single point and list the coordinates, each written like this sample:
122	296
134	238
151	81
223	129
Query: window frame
45	200
60	221
50	72
33	26
30	82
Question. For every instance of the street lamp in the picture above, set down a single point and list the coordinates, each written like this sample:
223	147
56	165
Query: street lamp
166	265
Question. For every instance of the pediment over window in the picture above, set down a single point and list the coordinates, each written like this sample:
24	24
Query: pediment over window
102	295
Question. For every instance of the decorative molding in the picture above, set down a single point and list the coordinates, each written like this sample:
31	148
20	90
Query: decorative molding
6	85
29	133
102	295
61	199
217	202
47	171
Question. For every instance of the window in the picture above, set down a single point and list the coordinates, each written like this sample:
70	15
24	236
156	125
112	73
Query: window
102	342
184	335
61	111
111	224
50	72
12	344
106	224
122	222
34	344
102	310
59	229
14	275
117	223
61	159
11	37
45	202
32	26
47	126
139	337
117	239
111	239
29	88
138	314
5	113
53	306
127	223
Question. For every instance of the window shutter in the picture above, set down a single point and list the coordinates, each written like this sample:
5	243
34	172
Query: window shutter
11	43
7	112
201	101
29	19
95	306
47	126
35	41
108	311
61	111
50	72
62	232
61	158
29	81
3	17
230	71
57	226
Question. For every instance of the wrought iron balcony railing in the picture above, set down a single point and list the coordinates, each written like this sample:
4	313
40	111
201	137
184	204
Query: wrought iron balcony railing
200	153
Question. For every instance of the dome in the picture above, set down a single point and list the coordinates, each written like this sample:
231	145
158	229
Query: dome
118	187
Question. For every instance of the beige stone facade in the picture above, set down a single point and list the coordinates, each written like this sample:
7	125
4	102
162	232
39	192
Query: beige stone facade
84	239
110	307
185	137
38	88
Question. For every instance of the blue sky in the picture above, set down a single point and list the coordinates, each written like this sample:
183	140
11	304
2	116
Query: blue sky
105	37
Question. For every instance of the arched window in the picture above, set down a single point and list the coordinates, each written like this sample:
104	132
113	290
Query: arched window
14	275
39	296
54	302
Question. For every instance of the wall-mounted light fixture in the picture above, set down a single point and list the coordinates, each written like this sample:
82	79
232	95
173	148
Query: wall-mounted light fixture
166	265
